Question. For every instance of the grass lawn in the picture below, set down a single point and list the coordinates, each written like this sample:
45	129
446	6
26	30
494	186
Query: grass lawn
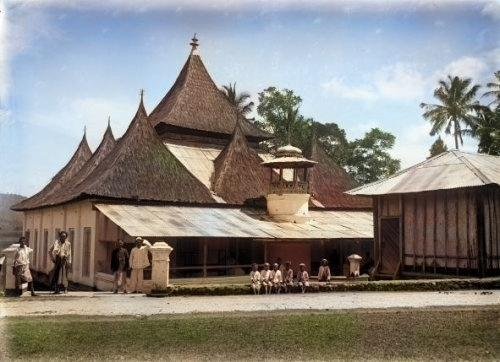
411	334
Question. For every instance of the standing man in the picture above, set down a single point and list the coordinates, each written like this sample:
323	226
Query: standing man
60	254
119	267
22	266
324	274
138	261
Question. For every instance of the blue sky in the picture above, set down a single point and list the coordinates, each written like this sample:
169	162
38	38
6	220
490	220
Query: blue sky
65	64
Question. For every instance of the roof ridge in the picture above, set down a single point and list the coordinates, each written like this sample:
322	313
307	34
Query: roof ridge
474	170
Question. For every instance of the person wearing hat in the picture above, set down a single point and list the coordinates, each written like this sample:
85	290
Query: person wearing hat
60	254
324	274
265	277
138	260
276	278
303	277
22	266
255	279
288	277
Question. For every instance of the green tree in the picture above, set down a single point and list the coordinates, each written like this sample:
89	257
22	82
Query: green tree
279	112
370	160
457	108
486	129
365	159
240	100
494	89
437	147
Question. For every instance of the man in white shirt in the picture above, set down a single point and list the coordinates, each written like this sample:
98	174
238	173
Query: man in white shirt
22	266
324	274
138	260
60	254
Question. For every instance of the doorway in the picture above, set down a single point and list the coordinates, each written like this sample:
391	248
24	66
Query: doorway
389	245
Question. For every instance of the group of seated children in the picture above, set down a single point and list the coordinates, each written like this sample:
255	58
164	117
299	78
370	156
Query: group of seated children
282	277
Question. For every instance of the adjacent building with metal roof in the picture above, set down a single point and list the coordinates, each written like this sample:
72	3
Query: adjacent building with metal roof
441	216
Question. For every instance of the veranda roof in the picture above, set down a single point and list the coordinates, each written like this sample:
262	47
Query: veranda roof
187	221
449	170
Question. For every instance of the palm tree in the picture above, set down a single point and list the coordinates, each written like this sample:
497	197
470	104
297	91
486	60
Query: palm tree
240	101
457	108
494	89
486	129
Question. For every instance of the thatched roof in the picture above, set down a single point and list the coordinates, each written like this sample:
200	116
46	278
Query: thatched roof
238	174
453	169
328	182
194	102
77	161
140	167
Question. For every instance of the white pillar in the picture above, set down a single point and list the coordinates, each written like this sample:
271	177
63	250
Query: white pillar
160	267
354	265
8	267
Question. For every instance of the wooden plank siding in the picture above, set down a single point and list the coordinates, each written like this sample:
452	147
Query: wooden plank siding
440	233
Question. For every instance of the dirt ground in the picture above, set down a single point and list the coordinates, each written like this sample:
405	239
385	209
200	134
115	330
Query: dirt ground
108	304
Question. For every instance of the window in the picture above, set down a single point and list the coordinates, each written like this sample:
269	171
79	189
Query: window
34	246
45	248
86	252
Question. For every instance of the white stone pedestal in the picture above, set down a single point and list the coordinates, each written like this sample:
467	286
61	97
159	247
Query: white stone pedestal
160	267
354	264
8	267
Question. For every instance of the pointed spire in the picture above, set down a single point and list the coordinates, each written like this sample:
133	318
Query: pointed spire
141	110
194	43
109	121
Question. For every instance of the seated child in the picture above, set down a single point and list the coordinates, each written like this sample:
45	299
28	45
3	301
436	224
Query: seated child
265	278
276	278
255	279
288	277
303	277
324	274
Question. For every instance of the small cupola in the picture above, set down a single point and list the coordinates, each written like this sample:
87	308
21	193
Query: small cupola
288	195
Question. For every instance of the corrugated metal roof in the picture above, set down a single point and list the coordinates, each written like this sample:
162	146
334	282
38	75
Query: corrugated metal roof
185	221
449	170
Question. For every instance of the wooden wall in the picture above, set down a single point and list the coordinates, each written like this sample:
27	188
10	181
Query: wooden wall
440	230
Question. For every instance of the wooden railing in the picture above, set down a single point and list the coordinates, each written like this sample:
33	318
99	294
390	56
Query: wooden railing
289	187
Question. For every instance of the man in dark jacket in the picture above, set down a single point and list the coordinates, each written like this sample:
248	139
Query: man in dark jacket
119	267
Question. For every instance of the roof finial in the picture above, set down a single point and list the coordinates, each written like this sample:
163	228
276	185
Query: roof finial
141	92
85	131
194	42
109	121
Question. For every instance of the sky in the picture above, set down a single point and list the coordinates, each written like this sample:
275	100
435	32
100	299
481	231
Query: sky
67	64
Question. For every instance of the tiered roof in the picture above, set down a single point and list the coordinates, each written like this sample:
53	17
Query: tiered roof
194	102
238	174
76	162
328	182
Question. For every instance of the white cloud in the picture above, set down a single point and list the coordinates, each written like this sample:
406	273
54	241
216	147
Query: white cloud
4	63
399	82
345	6
338	87
470	67
492	9
396	82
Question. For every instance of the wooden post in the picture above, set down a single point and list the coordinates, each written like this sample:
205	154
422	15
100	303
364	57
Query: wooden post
265	251
401	230
205	257
415	231
424	230
468	200
445	231
457	236
434	231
